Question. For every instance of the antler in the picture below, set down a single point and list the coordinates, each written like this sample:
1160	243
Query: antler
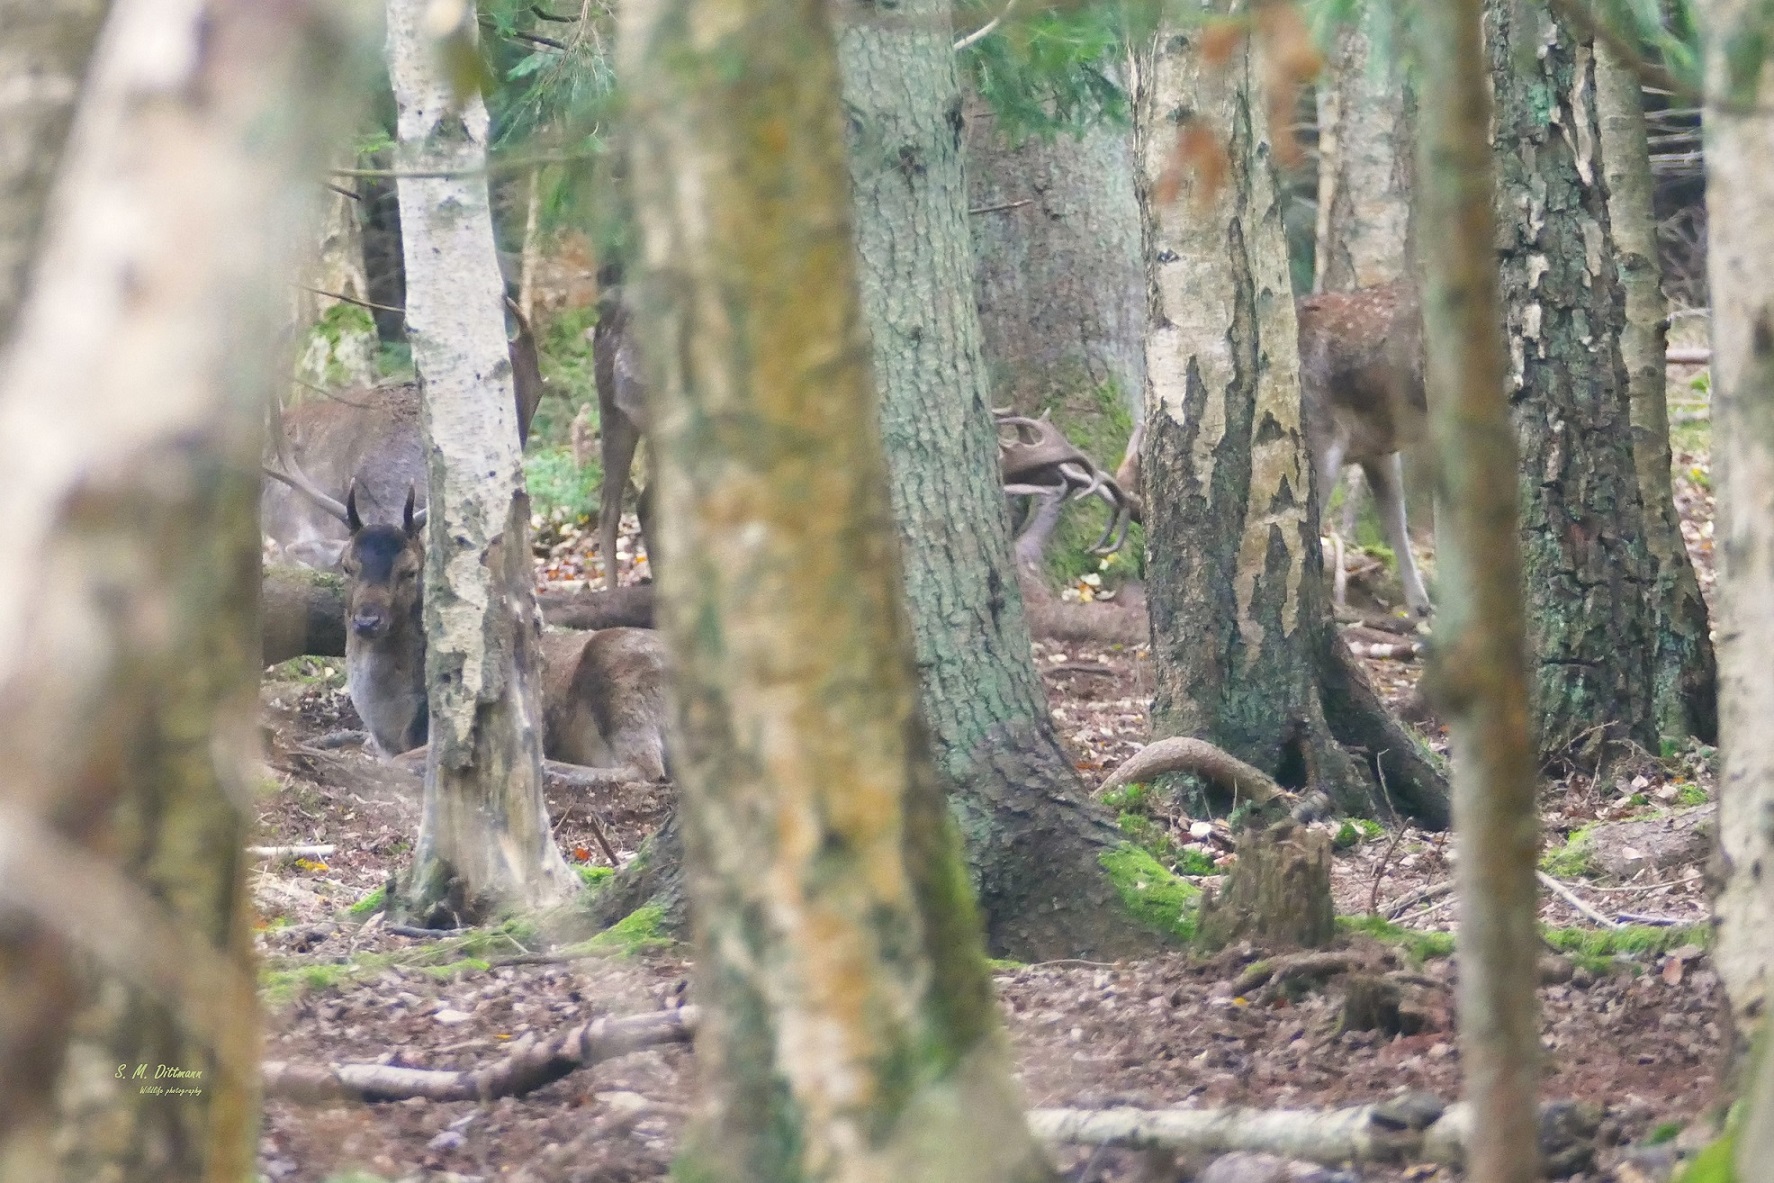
290	473
1040	461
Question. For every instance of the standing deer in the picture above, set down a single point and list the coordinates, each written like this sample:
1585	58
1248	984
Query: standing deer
603	693
367	440
622	420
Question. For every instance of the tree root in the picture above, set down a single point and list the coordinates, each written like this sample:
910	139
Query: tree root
1182	753
1413	779
1297	967
530	1065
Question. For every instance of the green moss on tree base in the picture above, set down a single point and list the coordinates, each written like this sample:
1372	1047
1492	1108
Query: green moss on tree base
1151	894
639	931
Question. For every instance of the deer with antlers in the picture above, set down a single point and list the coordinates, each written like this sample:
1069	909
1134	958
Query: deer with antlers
1036	460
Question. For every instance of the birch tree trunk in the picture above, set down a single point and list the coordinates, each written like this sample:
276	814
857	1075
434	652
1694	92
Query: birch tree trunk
850	1031
1480	665
1057	273
339	341
131	396
1366	113
1243	650
43	57
1739	194
484	837
1587	569
1034	840
1684	672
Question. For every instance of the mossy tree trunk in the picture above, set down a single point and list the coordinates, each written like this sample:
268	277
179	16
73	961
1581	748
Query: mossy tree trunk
1480	665
1684	671
1243	646
850	1031
132	393
1588	570
1740	243
484	838
1034	841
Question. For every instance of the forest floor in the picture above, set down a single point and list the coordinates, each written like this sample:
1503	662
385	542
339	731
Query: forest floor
1629	1015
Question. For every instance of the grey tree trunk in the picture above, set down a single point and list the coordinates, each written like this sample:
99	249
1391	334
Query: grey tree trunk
850	1032
484	837
43	58
1480	663
132	391
1685	686
1366	134
1739	193
1034	841
338	341
1243	649
1588	570
1057	267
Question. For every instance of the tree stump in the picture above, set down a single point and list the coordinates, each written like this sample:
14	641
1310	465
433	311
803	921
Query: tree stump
1277	895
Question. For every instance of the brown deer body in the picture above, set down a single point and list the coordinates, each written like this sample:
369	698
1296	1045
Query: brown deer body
367	439
622	420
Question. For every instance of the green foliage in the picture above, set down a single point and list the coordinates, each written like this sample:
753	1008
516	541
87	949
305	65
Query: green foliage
370	904
564	341
1354	831
1664	1131
1130	798
1000	965
1639	942
593	876
1046	71
1196	862
1151	894
1417	946
323	673
557	484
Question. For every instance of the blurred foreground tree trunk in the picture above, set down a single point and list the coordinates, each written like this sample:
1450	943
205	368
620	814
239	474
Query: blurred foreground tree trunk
484	839
1034	840
1480	659
1244	651
1588	570
1739	196
850	1031
132	391
1684	672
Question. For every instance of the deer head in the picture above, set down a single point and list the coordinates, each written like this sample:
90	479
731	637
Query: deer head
382	564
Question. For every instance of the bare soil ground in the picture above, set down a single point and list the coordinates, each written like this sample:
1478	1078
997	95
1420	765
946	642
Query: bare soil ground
1635	1033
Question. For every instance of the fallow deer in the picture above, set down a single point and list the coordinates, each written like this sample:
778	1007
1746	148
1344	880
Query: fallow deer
603	693
367	439
622	420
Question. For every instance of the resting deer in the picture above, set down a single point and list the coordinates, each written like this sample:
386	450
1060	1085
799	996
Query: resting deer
367	439
1362	401
603	693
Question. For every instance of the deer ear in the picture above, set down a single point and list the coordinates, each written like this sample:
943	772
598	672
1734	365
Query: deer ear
352	521
408	520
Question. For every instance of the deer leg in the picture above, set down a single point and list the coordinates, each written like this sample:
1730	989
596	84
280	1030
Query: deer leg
1386	477
643	508
1352	485
1329	460
620	436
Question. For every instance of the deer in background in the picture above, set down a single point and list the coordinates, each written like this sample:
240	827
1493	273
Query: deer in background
603	693
366	440
622	420
1361	401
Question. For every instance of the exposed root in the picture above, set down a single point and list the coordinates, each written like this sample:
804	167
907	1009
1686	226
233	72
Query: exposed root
1182	753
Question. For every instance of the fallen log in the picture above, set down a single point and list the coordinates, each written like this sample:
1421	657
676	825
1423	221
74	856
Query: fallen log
530	1065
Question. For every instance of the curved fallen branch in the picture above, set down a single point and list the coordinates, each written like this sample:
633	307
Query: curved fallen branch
1182	753
530	1065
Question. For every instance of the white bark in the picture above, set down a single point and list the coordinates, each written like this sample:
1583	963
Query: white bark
1739	194
485	822
1364	174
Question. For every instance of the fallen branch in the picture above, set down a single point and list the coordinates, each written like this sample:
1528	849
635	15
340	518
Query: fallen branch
530	1065
319	850
1391	651
1293	968
1411	899
1694	356
1568	896
1182	753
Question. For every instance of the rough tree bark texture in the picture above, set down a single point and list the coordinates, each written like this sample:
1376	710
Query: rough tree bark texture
1365	139
1057	273
1588	571
1739	194
131	396
341	353
1480	668
42	60
1684	672
1033	839
1243	648
850	1030
484	837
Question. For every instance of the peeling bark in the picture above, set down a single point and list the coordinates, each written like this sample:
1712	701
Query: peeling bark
131	396
484	837
1366	133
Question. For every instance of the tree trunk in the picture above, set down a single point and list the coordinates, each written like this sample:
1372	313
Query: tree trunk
42	62
1684	673
1057	272
1243	648
131	396
1366	113
1739	194
1034	841
338	338
1480	660
1588	571
850	1031
484	838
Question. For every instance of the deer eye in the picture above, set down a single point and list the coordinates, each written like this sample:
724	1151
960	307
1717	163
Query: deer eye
408	575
